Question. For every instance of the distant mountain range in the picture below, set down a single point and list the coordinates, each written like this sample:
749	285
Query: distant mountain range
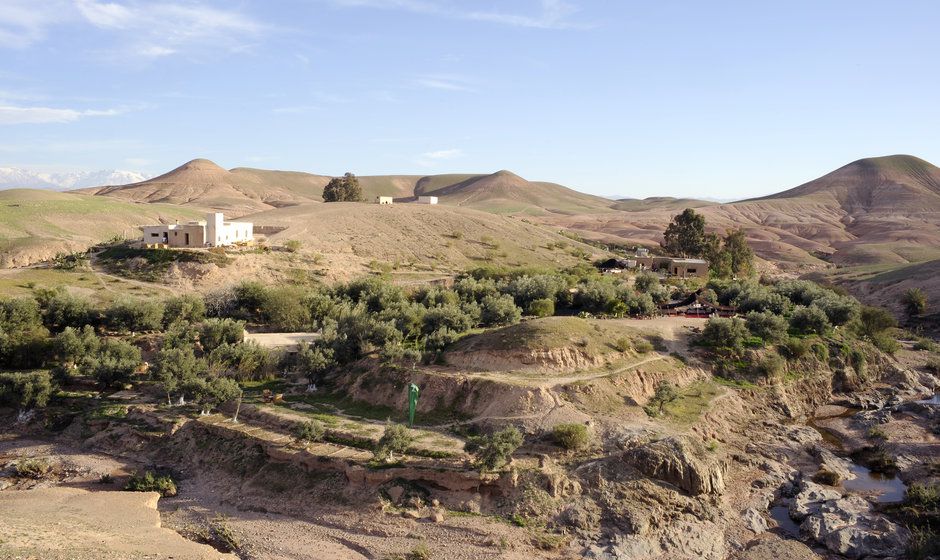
17	177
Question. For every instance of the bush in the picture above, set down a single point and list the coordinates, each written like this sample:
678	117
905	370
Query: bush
571	436
35	468
809	320
886	342
770	366
292	245
542	308
280	308
926	344
933	364
769	327
148	482
873	321
795	348
134	315
26	390
246	361
665	393
395	439
596	296
646	282
498	310
309	432
827	477
61	309
526	289
722	332
216	332
114	363
494	451
643	346
839	310
188	307
451	317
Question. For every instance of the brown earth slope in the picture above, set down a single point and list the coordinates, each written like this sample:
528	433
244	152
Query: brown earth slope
876	210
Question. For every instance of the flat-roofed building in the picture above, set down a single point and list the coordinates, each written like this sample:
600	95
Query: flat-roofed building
214	231
384	200
427	200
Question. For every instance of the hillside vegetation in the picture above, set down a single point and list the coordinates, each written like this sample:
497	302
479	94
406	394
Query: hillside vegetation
35	225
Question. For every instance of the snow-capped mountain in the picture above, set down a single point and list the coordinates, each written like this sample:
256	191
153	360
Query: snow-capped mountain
16	177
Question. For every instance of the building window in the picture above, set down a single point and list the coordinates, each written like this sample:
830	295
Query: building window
154	235
691	271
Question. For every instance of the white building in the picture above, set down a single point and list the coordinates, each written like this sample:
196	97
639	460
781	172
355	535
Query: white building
384	200
214	231
427	200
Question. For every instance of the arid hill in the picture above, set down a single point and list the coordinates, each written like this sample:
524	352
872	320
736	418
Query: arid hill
203	184
877	210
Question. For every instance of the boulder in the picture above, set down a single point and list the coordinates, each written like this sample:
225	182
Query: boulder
755	521
680	461
810	498
846	526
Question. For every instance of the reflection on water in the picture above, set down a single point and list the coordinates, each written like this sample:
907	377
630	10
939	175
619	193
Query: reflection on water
886	488
781	515
883	488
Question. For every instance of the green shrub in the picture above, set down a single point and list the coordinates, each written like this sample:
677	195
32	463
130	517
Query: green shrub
149	482
571	436
643	346
135	315
665	393
542	307
189	308
821	351
35	468
114	364
770	366
795	348
26	390
877	432
292	245
720	332
771	328
809	320
933	364
886	342
395	439
926	344
623	344
216	332
494	451
499	309
309	432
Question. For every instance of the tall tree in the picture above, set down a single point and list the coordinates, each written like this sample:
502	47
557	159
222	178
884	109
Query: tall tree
343	189
739	253
685	235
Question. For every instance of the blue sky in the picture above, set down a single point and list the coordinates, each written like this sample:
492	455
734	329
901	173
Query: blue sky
705	99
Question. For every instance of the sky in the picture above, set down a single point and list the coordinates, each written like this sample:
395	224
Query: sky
717	99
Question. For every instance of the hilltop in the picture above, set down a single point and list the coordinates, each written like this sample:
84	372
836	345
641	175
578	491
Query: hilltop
203	184
875	210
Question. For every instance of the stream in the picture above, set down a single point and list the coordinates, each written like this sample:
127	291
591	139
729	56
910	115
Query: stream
880	488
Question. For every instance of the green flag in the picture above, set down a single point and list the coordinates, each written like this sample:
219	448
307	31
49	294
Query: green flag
413	393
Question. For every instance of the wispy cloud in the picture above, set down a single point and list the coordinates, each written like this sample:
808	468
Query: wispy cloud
159	29
429	159
40	115
24	22
145	29
547	14
447	82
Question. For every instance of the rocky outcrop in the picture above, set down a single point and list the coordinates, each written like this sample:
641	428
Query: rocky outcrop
680	461
845	525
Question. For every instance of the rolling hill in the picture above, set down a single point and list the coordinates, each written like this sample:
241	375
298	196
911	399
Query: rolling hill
203	184
876	210
35	225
